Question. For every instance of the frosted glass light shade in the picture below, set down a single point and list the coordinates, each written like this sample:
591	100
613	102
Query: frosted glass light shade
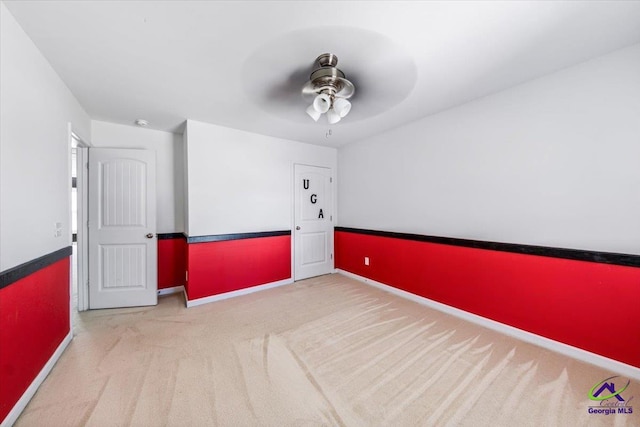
332	116
311	111
322	103
342	106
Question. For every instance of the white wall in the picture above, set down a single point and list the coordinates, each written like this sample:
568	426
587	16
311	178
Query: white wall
185	179
35	110
243	182
554	162
169	166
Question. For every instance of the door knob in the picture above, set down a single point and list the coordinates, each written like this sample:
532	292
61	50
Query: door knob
150	236
298	227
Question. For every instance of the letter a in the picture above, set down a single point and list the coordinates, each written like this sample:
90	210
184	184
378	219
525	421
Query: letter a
305	184
320	215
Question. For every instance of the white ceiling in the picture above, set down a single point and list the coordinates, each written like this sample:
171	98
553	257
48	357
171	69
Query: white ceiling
242	64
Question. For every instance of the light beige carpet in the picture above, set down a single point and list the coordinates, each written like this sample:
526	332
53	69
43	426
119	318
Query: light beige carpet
322	352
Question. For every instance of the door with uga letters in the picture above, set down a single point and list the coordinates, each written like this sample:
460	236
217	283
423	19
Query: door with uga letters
313	231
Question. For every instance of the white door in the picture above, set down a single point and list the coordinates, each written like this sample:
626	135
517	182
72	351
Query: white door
122	227
313	231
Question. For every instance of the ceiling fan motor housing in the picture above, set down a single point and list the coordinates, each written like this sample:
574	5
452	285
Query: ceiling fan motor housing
326	78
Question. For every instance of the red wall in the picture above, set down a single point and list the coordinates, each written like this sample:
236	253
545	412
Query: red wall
34	319
172	262
588	305
225	266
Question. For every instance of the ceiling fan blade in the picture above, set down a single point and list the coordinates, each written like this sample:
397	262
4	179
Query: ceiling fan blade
347	90
308	89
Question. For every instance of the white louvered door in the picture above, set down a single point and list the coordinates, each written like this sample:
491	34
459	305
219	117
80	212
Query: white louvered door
122	228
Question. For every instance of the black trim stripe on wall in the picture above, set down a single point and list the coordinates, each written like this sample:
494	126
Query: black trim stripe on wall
573	254
236	236
21	271
167	236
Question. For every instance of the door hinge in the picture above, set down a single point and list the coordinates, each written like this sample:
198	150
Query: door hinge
331	256
330	217
186	276
330	179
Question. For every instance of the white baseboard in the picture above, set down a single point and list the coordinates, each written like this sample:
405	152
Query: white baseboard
239	292
556	346
169	291
17	409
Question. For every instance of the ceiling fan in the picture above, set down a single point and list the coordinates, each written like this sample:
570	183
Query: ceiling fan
329	89
284	86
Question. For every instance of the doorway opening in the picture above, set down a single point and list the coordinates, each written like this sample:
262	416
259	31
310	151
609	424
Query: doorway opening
78	203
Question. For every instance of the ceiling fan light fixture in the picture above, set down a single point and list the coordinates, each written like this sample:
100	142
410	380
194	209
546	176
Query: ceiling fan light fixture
342	106
313	113
330	89
322	103
333	117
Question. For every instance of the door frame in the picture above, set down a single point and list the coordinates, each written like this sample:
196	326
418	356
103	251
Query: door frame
334	218
82	247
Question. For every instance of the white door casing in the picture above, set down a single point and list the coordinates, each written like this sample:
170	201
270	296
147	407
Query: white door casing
313	217
122	228
82	249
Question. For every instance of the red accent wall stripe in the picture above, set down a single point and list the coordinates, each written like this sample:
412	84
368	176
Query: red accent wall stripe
172	262
34	319
587	305
218	267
